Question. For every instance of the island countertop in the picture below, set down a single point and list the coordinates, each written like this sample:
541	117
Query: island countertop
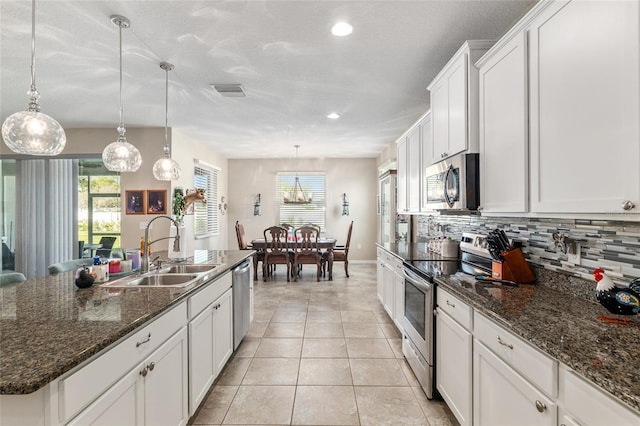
48	325
556	316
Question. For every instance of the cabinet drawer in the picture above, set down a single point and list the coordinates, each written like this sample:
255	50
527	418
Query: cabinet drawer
458	310
591	406
82	387
208	294
538	368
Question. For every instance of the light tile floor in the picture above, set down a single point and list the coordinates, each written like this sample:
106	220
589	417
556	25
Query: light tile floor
320	353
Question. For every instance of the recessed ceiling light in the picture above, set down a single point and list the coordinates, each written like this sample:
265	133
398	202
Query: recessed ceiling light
341	29
333	115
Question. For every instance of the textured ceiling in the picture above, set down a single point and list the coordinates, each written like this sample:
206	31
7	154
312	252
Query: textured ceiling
293	70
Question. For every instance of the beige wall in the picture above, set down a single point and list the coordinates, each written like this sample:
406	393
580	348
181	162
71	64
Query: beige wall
358	178
150	142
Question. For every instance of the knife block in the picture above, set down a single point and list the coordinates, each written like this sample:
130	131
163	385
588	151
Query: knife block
513	267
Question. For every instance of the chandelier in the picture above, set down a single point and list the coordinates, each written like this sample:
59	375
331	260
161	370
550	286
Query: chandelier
166	168
296	195
121	156
33	132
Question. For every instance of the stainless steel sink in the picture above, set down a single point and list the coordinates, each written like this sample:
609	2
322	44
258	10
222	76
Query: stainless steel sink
155	280
188	268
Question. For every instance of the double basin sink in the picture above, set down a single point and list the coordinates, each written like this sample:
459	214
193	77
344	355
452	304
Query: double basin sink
177	275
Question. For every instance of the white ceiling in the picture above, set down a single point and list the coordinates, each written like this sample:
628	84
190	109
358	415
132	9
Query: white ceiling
293	70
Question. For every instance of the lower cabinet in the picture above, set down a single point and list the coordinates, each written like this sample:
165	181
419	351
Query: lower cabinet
210	346
154	392
502	397
391	286
398	298
453	366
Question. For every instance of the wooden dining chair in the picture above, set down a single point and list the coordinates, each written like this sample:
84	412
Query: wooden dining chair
340	254
243	245
276	250
306	250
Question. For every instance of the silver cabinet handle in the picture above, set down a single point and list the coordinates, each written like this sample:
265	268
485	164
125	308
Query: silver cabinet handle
151	366
540	406
138	344
510	346
627	205
143	372
453	306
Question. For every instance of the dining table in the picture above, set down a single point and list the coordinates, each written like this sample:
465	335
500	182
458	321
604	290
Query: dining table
325	243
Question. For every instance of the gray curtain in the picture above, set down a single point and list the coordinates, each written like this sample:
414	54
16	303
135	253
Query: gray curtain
46	214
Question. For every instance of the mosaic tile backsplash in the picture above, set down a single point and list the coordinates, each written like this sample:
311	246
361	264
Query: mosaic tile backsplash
612	245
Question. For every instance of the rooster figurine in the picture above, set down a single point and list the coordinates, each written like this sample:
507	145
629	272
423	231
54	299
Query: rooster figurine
618	300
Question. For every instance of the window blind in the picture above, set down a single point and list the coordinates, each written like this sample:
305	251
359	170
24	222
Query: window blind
206	214
302	214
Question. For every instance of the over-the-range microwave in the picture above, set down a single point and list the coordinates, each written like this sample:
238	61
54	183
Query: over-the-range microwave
454	183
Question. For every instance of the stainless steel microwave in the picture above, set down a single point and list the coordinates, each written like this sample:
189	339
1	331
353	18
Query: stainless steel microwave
454	183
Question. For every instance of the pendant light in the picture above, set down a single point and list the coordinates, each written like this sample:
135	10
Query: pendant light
33	132
296	195
121	156
166	168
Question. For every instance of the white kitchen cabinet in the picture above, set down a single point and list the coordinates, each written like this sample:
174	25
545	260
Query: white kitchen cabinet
454	343
427	157
210	337
504	149
584	79
398	298
389	291
502	397
380	274
413	161
584	404
154	392
391	286
454	102
403	176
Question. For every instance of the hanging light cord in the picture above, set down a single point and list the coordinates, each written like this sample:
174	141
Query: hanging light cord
33	93
121	130
166	111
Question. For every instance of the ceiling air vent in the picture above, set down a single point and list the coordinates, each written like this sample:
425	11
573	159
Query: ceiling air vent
229	90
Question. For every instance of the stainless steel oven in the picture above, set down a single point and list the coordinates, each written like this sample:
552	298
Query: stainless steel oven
418	339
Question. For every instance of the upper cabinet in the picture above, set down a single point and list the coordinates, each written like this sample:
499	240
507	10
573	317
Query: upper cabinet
427	157
504	142
413	148
454	102
584	79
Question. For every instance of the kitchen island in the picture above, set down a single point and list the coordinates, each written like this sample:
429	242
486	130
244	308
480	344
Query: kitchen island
49	328
557	316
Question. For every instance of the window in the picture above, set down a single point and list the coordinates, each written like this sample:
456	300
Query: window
206	214
302	214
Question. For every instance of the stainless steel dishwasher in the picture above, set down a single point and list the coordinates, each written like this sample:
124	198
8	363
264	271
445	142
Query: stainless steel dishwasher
241	285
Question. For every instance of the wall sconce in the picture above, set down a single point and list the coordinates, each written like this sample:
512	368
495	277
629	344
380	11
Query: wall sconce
345	205
257	208
222	206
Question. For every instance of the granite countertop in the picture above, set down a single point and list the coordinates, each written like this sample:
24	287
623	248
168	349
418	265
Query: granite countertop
559	323
48	325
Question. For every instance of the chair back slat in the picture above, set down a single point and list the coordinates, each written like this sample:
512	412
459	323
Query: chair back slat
275	238
306	241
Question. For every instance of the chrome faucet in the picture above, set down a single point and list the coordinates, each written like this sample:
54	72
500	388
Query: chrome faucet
144	266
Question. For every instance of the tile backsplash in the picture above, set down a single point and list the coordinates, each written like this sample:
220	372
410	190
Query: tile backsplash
612	245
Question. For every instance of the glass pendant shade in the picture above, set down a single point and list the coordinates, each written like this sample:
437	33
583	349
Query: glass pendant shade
121	156
32	132
166	168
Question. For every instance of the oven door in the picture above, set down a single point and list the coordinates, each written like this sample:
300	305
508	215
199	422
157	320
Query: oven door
418	313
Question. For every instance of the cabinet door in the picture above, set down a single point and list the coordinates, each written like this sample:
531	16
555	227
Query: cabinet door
584	107
503	129
495	385
428	157
453	366
440	119
380	279
457	92
201	364
166	383
398	300
413	188
403	179
222	330
120	405
389	293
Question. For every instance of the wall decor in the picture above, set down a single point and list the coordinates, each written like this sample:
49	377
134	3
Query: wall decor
135	201
157	201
